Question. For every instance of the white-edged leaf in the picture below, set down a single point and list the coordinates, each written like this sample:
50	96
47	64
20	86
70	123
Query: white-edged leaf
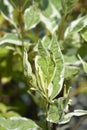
11	39
46	21
77	25
68	116
51	66
50	17
58	75
31	17
56	110
46	41
57	4
18	123
49	69
43	52
45	67
83	63
28	70
6	10
40	78
68	5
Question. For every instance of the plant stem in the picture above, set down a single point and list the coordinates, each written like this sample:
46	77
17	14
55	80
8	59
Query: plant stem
63	24
22	31
21	25
47	125
61	28
19	4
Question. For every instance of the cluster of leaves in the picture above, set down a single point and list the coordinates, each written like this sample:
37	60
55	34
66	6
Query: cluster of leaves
47	43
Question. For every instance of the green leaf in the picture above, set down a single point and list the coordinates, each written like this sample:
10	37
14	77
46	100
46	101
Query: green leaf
10	114
70	71
10	38
3	108
43	52
71	66
41	79
84	33
18	123
72	59
47	11
68	116
46	62
42	124
77	25
56	110
50	68
46	41
58	75
31	17
44	67
57	4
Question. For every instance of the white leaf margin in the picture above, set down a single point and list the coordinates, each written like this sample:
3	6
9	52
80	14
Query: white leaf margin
74	24
68	116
